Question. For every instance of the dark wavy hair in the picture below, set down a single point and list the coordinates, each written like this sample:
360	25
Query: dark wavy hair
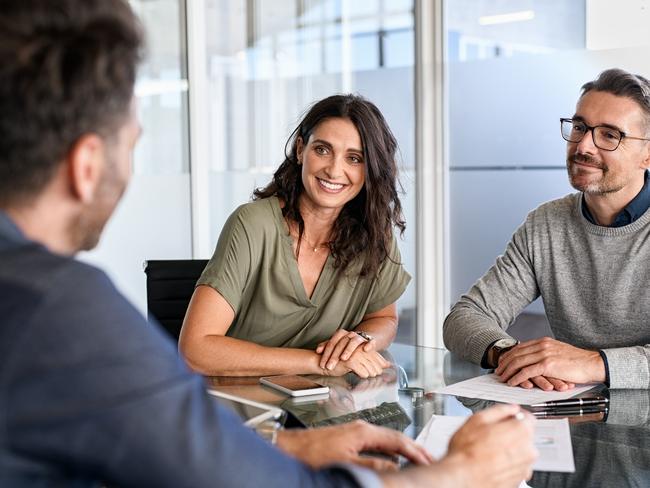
67	68
365	224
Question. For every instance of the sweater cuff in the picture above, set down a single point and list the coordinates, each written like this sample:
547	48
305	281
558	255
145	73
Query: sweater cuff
628	367
603	356
479	344
484	359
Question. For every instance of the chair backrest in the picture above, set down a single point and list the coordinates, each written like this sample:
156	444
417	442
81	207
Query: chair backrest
170	284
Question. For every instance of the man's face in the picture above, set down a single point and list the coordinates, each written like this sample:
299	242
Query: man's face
599	172
117	171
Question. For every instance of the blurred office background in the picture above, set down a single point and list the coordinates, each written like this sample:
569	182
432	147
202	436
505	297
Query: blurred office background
473	90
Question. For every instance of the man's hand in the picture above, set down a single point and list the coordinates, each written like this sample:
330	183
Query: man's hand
493	449
340	347
547	384
549	364
345	443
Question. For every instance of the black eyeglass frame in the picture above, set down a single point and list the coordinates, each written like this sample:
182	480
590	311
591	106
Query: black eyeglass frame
593	137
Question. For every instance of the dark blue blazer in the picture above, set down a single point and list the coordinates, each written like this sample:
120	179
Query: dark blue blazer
91	394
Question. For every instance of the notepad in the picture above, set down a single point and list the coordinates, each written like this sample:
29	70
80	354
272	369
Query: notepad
489	387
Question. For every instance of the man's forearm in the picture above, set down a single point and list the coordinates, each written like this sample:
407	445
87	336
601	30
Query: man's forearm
469	333
481	315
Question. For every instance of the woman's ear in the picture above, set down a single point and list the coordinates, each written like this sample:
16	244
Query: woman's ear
300	147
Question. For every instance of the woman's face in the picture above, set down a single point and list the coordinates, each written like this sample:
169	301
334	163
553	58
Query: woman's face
333	169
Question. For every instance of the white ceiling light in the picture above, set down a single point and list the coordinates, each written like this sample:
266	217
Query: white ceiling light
507	18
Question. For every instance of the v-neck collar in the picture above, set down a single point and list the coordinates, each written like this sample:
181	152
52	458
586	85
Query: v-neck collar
292	263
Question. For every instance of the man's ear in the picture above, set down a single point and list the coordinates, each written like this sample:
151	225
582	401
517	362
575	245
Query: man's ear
85	166
646	152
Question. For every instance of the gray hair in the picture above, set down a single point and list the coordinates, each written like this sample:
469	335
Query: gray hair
623	84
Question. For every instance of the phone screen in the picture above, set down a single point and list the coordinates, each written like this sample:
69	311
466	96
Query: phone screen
294	383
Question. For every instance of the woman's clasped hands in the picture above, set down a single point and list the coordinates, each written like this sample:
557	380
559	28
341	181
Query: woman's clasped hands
347	351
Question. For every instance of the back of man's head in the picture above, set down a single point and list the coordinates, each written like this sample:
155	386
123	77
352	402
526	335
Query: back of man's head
623	84
67	68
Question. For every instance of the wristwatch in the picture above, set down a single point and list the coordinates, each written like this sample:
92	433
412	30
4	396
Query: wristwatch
365	335
498	348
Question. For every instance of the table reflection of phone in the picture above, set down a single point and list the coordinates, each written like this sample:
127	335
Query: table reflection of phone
294	385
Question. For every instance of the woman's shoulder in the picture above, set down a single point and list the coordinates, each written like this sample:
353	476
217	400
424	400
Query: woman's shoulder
258	213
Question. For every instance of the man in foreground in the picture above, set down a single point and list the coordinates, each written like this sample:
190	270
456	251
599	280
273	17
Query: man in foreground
89	392
586	254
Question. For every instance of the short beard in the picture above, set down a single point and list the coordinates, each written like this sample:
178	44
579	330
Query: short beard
596	188
87	227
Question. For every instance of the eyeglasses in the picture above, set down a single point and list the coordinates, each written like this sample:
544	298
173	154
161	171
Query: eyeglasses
605	138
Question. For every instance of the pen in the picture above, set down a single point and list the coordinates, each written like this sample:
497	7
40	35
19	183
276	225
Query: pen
566	412
573	402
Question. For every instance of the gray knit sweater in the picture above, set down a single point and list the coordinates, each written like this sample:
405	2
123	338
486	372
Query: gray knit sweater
594	281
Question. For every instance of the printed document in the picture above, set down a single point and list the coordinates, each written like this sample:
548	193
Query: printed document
488	387
552	440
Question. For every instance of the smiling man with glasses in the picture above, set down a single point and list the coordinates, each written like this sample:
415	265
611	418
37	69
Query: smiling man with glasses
586	255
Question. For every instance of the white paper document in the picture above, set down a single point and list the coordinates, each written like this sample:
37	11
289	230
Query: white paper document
552	440
488	387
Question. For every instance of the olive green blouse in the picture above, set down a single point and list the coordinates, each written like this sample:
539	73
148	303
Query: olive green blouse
255	270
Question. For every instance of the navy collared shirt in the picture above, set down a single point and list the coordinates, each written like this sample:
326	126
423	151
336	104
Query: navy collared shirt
635	209
11	231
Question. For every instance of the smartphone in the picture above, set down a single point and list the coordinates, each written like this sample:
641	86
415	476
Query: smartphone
294	385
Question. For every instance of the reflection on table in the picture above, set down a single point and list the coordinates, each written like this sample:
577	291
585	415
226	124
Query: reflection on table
608	452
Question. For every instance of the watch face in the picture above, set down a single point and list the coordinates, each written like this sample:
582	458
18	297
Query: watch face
503	343
363	334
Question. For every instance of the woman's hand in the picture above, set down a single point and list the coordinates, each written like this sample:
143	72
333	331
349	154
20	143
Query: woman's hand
367	364
340	347
363	364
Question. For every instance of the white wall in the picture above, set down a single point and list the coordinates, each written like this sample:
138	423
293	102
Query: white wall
624	23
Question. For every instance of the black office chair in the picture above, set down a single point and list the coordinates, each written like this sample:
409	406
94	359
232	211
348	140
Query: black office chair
170	284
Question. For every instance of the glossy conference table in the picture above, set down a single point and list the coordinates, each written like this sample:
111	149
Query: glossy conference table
611	452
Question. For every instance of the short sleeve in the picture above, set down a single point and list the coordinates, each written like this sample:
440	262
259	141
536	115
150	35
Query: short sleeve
228	270
391	281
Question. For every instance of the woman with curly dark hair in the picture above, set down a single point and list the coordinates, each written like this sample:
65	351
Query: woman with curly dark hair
305	278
